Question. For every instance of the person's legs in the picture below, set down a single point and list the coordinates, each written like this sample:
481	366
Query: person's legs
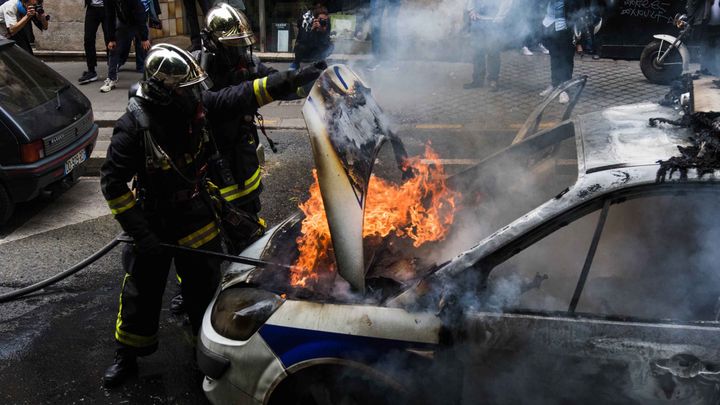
139	52
92	22
22	40
94	18
192	22
200	279
106	33
559	43
121	34
376	13
390	46
479	64
139	311
567	56
493	66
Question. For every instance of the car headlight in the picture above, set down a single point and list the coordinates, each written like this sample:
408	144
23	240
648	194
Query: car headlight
239	312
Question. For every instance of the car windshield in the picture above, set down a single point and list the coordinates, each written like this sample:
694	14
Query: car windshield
513	182
25	82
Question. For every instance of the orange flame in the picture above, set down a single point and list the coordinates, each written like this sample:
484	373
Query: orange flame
422	209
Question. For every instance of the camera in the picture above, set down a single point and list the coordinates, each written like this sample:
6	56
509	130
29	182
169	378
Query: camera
323	22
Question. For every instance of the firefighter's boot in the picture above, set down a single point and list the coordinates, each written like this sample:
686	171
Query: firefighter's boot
124	366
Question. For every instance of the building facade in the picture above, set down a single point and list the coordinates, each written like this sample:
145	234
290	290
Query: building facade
431	22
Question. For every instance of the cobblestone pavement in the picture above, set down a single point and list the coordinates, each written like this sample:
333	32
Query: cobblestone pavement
431	92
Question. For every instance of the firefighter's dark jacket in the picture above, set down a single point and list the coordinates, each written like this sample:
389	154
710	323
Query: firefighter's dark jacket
128	12
167	198
236	134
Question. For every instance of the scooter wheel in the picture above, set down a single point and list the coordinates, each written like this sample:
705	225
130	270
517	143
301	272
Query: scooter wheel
660	73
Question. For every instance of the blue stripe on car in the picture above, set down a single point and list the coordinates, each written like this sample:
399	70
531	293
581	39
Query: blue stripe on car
294	345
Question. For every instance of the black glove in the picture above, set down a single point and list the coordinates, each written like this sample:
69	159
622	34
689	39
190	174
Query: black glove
149	244
308	74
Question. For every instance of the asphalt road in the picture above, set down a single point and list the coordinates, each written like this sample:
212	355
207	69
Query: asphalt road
55	344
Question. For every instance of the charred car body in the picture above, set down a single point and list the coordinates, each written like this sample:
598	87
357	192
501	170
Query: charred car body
570	275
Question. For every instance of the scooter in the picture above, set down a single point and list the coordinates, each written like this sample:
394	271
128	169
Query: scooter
666	58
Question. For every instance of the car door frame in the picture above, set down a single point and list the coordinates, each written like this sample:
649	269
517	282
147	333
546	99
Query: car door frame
662	357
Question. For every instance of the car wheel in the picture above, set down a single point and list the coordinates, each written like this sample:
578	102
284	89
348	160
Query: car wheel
660	73
335	385
6	205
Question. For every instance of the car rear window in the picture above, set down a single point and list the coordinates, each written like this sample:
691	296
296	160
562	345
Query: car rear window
26	82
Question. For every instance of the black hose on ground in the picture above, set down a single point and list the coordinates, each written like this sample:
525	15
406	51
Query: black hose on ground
123	238
13	295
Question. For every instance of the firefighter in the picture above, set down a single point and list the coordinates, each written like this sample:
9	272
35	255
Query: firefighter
228	59
164	143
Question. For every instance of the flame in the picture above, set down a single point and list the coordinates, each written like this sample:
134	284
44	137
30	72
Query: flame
422	209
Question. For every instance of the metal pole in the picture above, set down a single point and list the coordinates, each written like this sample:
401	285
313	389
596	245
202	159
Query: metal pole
263	30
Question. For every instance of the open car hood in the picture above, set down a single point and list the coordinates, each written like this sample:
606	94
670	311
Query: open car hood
346	128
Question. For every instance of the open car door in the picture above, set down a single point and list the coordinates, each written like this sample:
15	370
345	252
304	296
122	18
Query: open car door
573	87
347	129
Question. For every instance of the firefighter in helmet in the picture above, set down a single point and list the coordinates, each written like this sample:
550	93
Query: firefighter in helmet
164	142
228	59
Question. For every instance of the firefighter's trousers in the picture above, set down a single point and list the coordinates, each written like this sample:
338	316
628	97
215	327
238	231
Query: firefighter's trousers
143	287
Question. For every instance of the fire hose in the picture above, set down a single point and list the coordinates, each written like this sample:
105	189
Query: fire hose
123	238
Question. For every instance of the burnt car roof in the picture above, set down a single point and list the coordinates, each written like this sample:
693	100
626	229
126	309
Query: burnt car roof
621	137
617	151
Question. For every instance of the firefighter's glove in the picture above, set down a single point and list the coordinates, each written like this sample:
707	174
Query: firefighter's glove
148	244
308	74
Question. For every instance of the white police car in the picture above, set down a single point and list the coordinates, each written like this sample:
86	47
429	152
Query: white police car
581	279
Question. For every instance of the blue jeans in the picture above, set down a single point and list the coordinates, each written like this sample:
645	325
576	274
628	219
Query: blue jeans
383	44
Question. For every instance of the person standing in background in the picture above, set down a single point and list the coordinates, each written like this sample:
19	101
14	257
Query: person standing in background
15	15
704	16
193	23
532	13
95	16
126	17
384	31
487	27
313	41
560	24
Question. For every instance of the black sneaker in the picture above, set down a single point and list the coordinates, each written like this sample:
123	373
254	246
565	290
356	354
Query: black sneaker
124	366
87	77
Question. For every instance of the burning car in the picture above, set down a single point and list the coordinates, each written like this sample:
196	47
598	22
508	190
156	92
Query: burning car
559	270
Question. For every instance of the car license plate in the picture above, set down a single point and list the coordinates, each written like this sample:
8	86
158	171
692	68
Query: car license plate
74	161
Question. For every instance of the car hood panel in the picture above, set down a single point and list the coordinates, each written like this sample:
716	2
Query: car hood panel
346	129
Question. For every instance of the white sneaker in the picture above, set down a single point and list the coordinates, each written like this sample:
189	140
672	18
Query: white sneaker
526	51
547	91
108	85
564	98
542	49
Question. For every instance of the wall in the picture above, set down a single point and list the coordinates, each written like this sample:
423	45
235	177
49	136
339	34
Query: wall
66	28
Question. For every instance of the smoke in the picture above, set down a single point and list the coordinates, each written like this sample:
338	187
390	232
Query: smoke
656	261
